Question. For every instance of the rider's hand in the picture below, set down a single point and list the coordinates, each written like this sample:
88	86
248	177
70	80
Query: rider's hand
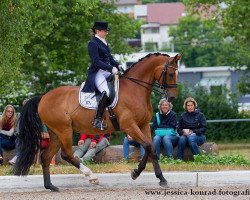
121	70
114	70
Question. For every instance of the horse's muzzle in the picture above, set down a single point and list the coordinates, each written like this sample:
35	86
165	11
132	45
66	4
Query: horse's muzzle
169	96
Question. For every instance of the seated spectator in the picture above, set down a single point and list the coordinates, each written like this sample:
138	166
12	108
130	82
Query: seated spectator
164	129
83	145
90	145
191	128
13	160
128	140
7	128
44	144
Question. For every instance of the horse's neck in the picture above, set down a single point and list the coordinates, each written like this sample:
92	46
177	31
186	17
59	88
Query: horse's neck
143	79
143	71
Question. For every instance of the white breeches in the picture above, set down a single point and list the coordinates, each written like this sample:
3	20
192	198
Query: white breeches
101	82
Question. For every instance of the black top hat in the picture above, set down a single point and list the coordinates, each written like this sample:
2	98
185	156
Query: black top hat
101	25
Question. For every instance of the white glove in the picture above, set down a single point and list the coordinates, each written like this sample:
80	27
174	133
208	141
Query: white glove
114	70
120	67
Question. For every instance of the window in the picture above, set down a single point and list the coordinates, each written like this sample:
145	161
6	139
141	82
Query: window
151	30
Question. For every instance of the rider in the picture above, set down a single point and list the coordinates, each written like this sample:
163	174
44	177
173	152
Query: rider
102	65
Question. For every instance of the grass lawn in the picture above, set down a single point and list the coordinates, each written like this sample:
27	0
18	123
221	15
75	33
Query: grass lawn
122	167
241	149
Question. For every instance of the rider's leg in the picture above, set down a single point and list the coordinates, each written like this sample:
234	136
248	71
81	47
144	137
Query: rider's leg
102	86
97	123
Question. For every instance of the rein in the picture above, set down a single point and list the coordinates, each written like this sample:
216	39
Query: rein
144	84
140	82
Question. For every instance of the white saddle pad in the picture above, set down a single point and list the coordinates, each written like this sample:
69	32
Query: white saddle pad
88	100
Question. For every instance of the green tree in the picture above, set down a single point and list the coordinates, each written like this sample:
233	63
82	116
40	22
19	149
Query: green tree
47	41
12	39
57	52
200	41
234	17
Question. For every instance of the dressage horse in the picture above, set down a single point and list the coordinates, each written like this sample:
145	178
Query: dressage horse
60	111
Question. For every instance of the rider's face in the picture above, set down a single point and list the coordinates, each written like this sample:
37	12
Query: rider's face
102	33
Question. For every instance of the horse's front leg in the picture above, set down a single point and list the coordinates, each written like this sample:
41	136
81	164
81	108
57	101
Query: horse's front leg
143	136
157	168
143	162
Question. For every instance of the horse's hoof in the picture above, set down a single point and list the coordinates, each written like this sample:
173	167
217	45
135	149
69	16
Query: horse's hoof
163	184
134	174
52	188
87	174
94	181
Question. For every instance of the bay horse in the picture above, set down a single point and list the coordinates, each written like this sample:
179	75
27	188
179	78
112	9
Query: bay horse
61	112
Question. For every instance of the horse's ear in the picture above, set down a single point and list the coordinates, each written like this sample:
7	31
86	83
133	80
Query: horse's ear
177	57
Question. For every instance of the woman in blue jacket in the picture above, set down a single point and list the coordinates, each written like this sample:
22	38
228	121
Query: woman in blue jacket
102	66
164	128
191	128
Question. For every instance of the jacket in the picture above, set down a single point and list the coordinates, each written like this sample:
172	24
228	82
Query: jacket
101	58
166	121
196	121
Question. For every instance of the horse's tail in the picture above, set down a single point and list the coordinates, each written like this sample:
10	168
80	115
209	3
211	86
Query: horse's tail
29	138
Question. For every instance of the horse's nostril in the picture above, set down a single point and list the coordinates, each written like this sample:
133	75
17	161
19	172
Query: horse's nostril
171	99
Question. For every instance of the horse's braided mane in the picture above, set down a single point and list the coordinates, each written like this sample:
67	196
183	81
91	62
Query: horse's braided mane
147	56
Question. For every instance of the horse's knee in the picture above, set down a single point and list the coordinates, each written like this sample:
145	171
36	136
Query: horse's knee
147	147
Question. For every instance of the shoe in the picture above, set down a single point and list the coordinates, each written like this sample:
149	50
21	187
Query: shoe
13	160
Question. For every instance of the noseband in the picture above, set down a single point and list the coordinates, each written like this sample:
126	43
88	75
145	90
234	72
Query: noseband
164	84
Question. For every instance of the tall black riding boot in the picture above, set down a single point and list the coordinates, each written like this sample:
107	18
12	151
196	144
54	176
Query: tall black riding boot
97	123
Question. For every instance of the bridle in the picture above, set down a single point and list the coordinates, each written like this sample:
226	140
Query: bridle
163	75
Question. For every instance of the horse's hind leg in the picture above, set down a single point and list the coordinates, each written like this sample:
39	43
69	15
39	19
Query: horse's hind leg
85	170
46	158
67	154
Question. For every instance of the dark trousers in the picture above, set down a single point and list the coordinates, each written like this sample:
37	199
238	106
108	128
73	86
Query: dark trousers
6	144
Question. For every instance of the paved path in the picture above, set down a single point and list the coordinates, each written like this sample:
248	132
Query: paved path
124	181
